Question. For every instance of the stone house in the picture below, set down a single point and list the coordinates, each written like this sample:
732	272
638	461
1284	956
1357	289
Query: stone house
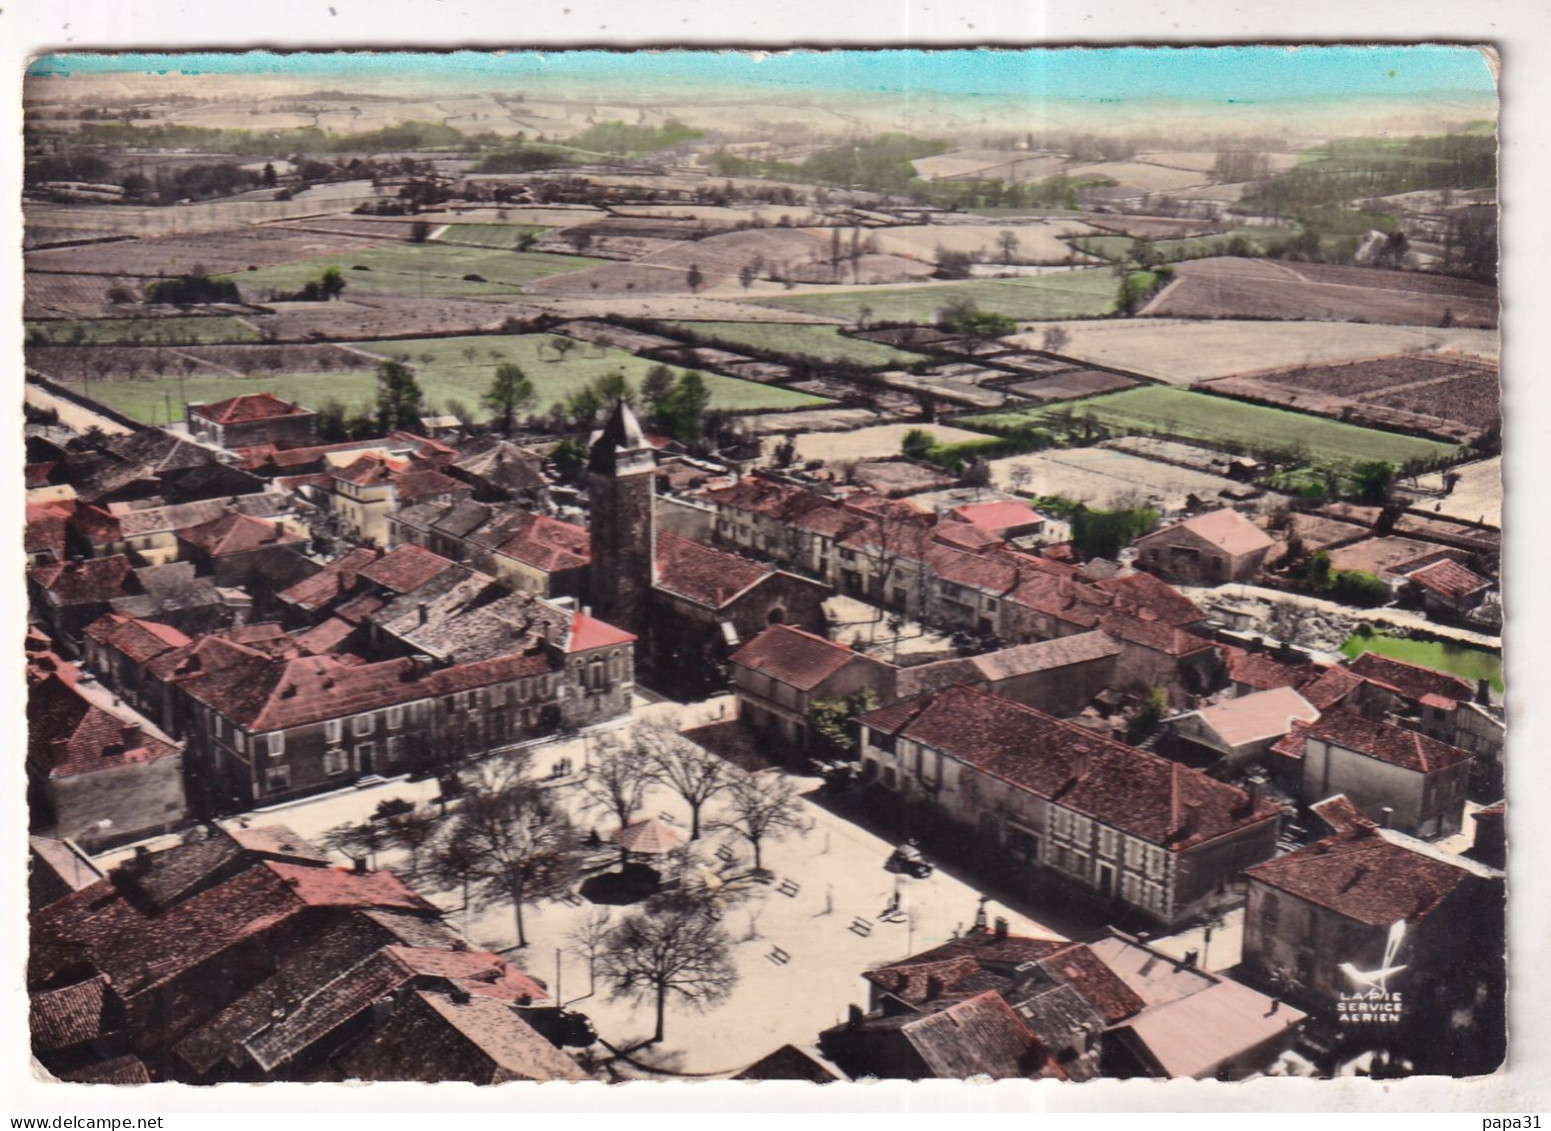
1237	732
1399	778
251	419
783	671
1210	549
1042	797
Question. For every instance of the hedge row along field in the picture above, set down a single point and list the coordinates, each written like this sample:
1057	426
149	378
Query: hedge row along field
1061	294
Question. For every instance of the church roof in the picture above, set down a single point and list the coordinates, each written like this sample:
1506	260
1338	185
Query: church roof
621	435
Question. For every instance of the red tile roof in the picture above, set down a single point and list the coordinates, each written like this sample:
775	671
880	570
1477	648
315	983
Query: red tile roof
1258	716
333	581
89	582
324	637
68	735
702	573
794	657
1332	687
47	524
248	407
1449	579
1262	672
420	483
405	568
588	632
71	1015
1155	635
767	497
546	543
370	468
140	641
1000	517
1395	745
1409	680
1364	877
1130	789
1226	529
1341	814
237	534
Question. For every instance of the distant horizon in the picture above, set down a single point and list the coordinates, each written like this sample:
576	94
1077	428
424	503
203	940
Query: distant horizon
1220	75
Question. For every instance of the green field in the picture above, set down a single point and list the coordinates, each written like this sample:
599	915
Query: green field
1469	664
1196	247
430	270
1065	294
804	339
142	331
445	371
444	374
1193	415
504	236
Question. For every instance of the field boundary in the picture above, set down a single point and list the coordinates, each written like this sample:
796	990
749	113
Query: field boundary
80	400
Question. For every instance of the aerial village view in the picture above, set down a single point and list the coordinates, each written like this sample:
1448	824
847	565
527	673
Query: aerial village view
819	567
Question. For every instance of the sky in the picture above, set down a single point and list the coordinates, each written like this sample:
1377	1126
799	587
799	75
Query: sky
1214	74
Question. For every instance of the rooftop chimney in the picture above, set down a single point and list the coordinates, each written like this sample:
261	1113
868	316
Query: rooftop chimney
1386	815
934	987
1255	786
132	736
1001	929
1484	692
458	994
425	612
358	865
854	1017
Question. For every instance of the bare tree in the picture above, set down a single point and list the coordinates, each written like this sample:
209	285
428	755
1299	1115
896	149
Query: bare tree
358	841
764	806
1055	339
690	770
673	950
412	831
617	782
589	937
521	844
1008	242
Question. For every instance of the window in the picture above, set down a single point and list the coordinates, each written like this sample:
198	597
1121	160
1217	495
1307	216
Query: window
335	762
1154	861
277	778
1082	830
277	744
395	750
1060	822
365	752
362	724
1271	913
332	730
1109	842
1133	853
1022	843
395	717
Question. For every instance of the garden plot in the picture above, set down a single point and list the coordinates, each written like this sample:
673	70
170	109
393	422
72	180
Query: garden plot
879	441
202	216
1257	288
1185	415
521	215
810	339
1038	241
421	270
1205	160
668	307
134	363
1068	294
1070	385
187	330
359	315
965	393
1105	479
76	296
1182	352
384	229
215	252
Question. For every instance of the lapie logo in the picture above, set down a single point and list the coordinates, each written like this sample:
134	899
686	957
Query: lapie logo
1372	1002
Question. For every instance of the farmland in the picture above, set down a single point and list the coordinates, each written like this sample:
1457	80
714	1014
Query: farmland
1182	352
801	339
1469	664
1064	294
139	381
1455	397
1041	242
1106	479
1182	413
215	252
1190	247
504	236
1258	288
132	331
446	371
427	270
